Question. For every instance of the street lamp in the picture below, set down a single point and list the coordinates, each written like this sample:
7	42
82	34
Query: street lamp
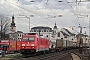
81	40
29	20
25	16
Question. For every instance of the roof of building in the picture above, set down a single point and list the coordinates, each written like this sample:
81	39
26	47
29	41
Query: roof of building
68	31
13	24
81	35
19	32
64	33
41	27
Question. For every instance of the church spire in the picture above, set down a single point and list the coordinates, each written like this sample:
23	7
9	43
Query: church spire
55	27
13	18
13	24
55	23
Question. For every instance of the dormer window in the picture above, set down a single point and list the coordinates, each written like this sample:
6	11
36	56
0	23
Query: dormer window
47	30
32	30
37	30
58	34
42	30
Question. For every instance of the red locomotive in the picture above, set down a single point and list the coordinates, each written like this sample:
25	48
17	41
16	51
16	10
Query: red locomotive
10	45
33	44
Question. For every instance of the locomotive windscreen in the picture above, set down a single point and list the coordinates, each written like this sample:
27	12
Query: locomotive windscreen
31	39
2	45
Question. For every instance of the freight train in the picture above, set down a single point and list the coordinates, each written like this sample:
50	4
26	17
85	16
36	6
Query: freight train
34	44
31	43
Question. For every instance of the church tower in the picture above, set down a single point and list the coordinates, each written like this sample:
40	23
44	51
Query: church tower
13	27
55	29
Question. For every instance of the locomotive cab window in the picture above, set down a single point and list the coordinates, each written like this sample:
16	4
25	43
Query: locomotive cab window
25	39
31	39
2	45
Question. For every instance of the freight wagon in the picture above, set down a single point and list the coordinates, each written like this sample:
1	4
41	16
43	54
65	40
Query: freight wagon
63	44
10	46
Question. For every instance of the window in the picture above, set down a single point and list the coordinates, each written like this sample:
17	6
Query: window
37	30
54	31
34	30
28	39
20	35
2	45
25	39
31	38
61	38
47	30
58	34
47	35
44	30
65	36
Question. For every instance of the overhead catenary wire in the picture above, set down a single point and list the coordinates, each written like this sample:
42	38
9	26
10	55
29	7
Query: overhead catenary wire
76	15
28	10
72	9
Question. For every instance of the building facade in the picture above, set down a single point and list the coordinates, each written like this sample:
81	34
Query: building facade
42	31
16	36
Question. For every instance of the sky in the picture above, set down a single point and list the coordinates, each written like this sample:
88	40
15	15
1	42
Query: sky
66	14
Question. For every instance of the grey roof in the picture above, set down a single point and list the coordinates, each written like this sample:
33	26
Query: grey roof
81	35
64	33
42	27
68	31
13	25
19	32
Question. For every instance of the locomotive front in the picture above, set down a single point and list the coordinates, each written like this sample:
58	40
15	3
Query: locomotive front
29	44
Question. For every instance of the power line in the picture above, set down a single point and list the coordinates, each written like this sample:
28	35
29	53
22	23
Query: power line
72	9
27	10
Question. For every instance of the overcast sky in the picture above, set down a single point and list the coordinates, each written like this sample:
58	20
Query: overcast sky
44	11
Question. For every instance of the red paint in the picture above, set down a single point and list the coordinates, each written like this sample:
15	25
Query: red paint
13	45
38	43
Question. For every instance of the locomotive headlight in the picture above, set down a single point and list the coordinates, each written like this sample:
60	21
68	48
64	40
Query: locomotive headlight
32	47
32	44
22	47
23	44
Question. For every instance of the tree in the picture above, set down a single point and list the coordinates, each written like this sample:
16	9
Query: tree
4	26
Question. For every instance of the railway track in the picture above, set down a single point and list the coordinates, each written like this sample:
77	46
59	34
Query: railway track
51	56
63	55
